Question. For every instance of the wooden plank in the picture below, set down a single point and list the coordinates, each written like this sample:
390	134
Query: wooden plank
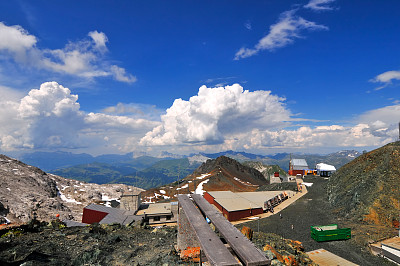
214	249
243	247
325	258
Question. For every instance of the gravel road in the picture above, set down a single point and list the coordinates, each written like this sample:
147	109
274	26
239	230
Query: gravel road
314	209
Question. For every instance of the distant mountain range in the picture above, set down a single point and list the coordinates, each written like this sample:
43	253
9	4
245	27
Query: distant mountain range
147	172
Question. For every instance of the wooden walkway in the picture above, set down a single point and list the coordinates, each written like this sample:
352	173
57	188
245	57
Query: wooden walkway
245	250
211	245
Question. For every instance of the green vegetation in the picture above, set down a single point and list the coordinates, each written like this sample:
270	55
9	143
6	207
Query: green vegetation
159	173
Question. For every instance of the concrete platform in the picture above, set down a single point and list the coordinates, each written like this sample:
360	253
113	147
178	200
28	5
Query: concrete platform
325	258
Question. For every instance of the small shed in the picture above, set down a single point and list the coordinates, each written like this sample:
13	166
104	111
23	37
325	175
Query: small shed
95	213
324	169
155	213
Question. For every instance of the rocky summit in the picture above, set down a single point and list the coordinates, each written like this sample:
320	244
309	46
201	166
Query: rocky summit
368	188
222	173
27	191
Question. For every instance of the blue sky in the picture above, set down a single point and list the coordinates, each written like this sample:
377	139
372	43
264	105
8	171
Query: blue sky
188	76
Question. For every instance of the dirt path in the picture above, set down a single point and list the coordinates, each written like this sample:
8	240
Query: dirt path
293	196
313	209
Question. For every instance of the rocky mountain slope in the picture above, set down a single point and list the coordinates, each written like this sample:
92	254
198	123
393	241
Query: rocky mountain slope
368	188
266	170
222	173
121	245
26	191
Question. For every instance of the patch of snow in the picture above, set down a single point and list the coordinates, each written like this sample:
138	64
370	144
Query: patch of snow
185	186
190	181
81	189
199	189
105	197
8	188
166	197
162	191
64	198
157	195
202	176
307	184
244	183
148	200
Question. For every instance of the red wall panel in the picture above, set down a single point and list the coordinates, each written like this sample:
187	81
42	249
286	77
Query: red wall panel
209	198
237	215
92	216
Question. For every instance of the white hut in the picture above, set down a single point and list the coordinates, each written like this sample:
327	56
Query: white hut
324	169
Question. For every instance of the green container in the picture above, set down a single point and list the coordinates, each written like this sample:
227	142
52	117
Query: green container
329	232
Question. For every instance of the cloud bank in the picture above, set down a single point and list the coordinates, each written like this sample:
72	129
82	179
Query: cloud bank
216	119
84	58
50	118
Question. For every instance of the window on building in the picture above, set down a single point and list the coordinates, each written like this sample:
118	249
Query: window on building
156	218
168	217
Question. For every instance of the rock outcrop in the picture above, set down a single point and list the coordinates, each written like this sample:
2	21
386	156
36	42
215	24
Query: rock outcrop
222	173
27	191
368	188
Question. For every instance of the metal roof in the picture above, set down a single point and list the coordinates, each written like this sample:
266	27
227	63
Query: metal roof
237	204
114	215
223	194
156	208
259	197
242	200
325	167
299	164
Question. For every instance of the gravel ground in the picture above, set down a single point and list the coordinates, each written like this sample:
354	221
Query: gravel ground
314	209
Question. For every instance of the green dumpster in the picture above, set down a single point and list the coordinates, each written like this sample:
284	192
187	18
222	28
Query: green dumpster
329	232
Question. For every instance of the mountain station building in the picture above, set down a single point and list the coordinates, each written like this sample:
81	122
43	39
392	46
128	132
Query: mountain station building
239	205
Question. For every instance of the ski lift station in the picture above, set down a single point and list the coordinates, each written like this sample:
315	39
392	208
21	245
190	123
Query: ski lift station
324	169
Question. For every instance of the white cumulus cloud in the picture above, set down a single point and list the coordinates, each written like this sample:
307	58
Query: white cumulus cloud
50	117
217	113
83	58
284	32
